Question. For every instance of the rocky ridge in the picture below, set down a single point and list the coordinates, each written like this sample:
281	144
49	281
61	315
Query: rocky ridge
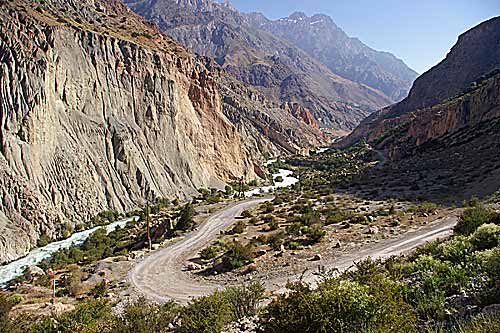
99	110
462	91
278	70
348	57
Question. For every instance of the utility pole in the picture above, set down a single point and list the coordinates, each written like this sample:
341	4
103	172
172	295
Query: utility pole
148	222
52	276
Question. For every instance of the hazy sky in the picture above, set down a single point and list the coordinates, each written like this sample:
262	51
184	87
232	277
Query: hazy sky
420	32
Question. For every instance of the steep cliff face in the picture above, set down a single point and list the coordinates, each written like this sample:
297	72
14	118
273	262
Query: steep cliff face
402	136
279	70
99	111
348	57
462	91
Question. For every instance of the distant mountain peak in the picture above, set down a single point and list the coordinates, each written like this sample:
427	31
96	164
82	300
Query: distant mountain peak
298	16
322	39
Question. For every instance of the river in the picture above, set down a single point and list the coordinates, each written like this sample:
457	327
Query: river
287	181
35	256
16	268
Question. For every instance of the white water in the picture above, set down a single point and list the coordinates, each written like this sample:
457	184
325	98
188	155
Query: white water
288	181
34	257
321	150
16	268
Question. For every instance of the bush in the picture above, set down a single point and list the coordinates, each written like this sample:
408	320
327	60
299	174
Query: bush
144	317
253	183
237	255
6	325
276	240
185	222
43	241
100	290
206	314
209	252
335	216
73	283
239	227
247	214
268	207
339	307
471	219
315	234
228	190
294	246
273	225
87	317
486	237
269	218
245	299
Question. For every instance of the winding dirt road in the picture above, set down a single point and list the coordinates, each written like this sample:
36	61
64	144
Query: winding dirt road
160	276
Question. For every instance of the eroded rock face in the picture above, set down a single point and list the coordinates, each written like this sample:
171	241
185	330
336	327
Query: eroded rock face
460	92
94	117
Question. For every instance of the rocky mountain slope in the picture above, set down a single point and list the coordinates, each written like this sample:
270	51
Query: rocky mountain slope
461	91
348	57
99	110
442	141
279	71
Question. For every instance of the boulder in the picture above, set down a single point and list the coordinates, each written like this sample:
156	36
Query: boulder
317	257
191	266
33	272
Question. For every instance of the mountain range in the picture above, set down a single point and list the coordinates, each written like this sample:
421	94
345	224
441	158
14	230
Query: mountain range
101	108
260	54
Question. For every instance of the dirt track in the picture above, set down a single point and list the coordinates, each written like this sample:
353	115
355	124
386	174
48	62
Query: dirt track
160	276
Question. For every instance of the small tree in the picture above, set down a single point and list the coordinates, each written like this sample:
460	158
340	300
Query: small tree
245	299
186	218
229	190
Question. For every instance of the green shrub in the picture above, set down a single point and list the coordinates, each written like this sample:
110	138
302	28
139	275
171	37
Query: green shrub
209	252
43	241
228	190
186	222
489	263
294	246
486	237
247	214
239	227
268	207
237	255
100	290
339	307
145	317
206	314
273	225
87	317
15	299
6	325
315	234
471	219
335	216
72	284
244	300
276	240
455	250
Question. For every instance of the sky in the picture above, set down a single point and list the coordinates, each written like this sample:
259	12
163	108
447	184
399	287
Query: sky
421	32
